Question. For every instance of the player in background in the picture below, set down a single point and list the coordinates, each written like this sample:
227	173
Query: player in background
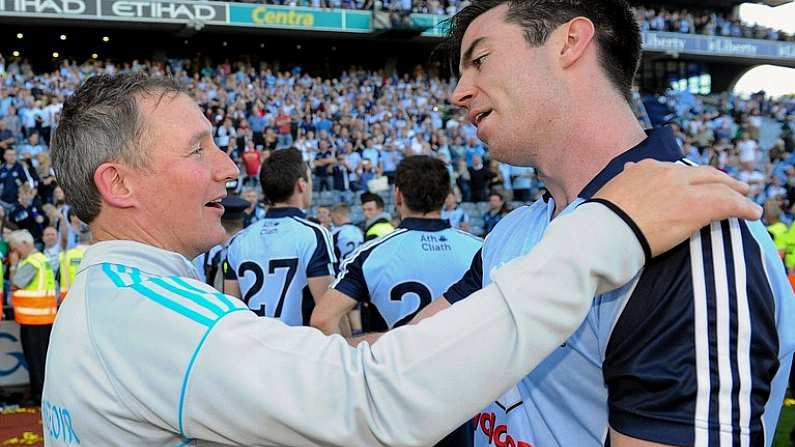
696	349
400	273
280	265
346	235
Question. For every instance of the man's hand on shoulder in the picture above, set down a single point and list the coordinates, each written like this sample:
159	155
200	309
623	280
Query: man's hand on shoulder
668	202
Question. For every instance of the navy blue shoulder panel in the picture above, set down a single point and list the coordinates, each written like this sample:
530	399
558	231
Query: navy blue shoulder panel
351	280
688	310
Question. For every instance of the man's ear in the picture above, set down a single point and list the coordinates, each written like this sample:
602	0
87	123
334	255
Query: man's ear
398	197
579	33
301	185
113	185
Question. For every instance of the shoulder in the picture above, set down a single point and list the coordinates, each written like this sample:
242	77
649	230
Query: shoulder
468	238
319	231
379	244
188	297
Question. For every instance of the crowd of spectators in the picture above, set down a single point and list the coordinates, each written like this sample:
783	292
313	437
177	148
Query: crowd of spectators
650	19
354	129
707	23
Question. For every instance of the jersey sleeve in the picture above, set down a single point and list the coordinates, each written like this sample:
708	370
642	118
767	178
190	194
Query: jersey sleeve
693	355
394	388
471	282
350	280
322	260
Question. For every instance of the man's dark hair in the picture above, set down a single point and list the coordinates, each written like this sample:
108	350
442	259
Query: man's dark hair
370	197
424	183
279	173
617	33
101	122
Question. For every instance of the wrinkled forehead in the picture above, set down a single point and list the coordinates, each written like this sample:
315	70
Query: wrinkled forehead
172	116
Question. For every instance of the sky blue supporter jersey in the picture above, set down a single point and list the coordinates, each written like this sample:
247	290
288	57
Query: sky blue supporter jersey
346	238
695	350
272	260
402	272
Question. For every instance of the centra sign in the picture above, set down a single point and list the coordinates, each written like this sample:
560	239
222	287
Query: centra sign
264	16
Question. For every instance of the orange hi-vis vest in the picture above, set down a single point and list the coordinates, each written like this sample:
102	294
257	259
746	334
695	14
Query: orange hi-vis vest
36	304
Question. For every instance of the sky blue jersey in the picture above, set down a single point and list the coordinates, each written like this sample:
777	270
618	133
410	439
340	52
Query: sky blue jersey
346	238
400	273
272	260
695	350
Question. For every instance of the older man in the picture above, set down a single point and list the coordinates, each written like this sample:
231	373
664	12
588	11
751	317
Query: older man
141	350
34	304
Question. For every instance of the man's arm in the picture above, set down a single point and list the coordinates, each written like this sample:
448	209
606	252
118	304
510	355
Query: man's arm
436	306
319	286
471	282
22	276
394	388
330	309
342	294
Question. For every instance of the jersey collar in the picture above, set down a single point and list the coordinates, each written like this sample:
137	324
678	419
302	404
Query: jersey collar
275	213
413	223
659	144
152	260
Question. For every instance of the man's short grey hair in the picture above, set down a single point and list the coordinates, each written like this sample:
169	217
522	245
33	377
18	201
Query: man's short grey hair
101	122
341	208
20	237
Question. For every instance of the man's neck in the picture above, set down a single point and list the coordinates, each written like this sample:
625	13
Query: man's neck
419	215
294	202
585	150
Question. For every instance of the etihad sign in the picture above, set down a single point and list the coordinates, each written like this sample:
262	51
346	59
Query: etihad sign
163	10
75	7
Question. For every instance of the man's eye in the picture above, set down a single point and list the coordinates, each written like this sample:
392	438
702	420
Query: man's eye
478	62
197	150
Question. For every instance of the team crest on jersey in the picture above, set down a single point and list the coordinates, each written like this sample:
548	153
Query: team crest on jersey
270	228
431	242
